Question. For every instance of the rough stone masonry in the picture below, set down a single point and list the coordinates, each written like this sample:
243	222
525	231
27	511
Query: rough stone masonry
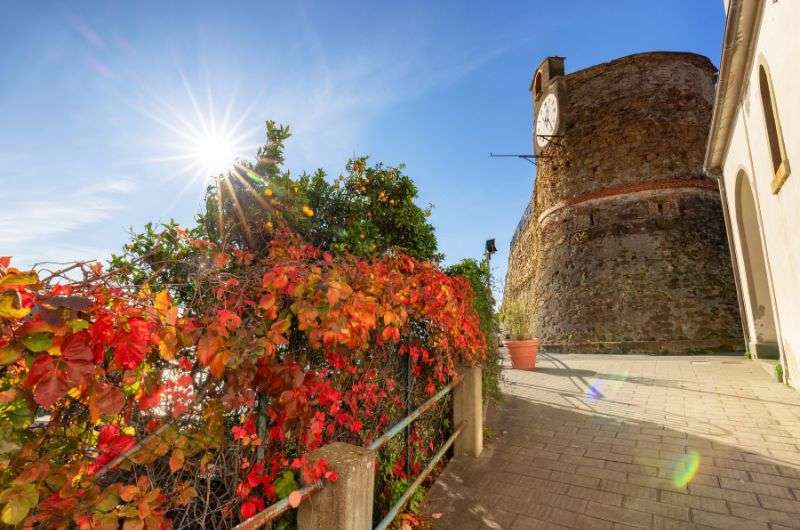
623	247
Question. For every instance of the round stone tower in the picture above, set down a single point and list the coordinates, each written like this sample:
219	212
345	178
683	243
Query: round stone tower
623	246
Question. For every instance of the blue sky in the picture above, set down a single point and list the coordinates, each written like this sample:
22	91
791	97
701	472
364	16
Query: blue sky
91	95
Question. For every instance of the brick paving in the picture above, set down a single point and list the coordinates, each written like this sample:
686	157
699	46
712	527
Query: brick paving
592	441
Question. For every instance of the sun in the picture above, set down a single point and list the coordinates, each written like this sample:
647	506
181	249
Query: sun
206	141
214	153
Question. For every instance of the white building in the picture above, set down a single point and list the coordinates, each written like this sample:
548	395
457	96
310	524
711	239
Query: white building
753	149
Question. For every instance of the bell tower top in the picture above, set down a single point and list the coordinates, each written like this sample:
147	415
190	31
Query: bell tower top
547	70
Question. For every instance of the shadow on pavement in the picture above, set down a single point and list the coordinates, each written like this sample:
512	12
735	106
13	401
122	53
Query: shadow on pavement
552	466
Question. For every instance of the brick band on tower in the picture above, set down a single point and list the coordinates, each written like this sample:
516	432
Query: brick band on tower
623	246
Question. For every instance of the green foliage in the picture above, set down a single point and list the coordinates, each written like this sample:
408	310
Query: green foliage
285	484
779	372
366	211
162	257
516	321
480	279
369	210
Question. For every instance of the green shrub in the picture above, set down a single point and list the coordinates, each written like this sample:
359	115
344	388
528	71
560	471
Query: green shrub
479	277
516	322
366	211
779	372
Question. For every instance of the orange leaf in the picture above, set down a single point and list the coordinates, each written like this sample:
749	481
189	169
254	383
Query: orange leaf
176	460
221	260
217	366
105	400
166	311
281	326
168	344
267	301
208	345
128	493
185	496
390	334
228	320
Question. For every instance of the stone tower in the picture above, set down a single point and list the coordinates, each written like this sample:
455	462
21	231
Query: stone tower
623	246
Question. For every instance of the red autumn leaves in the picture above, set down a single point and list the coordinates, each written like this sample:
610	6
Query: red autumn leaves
110	443
78	354
51	377
313	337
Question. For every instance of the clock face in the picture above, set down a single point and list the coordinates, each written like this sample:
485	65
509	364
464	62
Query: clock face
546	120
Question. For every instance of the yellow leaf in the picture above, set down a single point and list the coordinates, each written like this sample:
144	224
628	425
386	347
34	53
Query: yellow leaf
11	306
108	500
168	343
133	524
14	512
9	354
19	279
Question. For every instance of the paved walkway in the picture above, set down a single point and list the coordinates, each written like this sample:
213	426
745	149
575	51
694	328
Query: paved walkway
610	442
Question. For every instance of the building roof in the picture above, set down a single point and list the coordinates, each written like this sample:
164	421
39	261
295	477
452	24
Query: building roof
741	28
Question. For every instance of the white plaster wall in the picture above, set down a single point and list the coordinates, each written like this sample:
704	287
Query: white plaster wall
778	44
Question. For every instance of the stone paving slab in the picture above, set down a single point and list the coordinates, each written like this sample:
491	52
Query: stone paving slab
601	441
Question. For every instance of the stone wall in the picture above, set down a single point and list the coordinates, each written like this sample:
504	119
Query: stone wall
624	247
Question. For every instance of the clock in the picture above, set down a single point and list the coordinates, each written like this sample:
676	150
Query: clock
546	120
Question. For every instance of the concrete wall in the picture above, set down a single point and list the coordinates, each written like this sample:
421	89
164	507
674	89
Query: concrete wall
623	247
776	217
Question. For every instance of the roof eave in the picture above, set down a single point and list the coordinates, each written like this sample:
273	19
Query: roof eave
737	51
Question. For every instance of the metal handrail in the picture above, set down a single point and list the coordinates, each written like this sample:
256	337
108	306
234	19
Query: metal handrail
381	440
386	521
395	430
274	510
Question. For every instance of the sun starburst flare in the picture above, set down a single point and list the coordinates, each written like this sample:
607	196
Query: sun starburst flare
212	147
207	142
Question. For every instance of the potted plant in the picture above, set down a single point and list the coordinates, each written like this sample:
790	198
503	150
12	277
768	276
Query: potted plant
522	347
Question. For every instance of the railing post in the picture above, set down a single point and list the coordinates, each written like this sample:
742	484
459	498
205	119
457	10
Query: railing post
468	408
345	504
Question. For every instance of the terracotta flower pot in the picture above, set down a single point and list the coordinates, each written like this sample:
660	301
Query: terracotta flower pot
523	353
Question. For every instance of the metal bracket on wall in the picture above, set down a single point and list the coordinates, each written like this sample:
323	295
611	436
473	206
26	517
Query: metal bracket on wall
530	158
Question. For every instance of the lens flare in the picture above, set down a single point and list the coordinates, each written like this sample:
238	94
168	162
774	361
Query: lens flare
593	392
605	388
685	469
